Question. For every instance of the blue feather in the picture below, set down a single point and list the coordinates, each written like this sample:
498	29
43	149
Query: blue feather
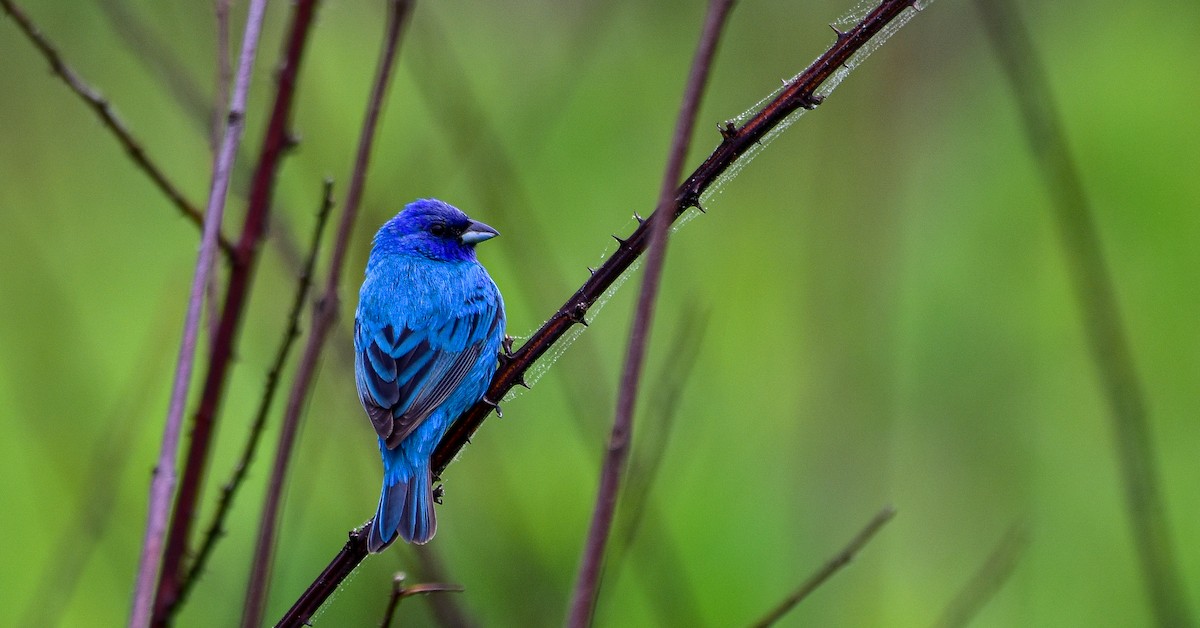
428	329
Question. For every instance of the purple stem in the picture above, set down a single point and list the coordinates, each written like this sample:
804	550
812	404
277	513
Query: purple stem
587	583
163	485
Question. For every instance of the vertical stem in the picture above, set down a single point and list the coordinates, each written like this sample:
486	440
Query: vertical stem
1098	303
162	487
275	143
587	584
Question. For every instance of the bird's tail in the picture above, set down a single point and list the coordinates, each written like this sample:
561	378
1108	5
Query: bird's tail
405	506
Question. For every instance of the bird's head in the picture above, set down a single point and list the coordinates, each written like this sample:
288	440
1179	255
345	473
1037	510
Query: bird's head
432	229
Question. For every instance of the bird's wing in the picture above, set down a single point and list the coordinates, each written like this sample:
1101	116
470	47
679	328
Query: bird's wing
404	373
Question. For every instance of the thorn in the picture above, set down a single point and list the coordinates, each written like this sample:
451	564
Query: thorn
811	101
728	130
841	34
700	207
620	242
591	270
522	383
291	140
576	314
638	217
439	492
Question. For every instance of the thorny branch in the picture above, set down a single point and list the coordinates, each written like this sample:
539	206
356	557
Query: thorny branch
736	141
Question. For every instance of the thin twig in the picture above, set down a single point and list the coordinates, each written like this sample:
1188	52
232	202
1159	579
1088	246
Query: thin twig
984	584
832	566
636	512
324	318
399	592
275	143
216	528
1095	291
587	583
736	141
163	485
103	109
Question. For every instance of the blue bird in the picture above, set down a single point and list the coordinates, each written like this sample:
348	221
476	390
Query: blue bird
427	335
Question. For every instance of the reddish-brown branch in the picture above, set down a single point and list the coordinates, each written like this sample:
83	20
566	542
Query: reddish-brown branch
217	528
799	93
162	486
736	141
275	144
324	318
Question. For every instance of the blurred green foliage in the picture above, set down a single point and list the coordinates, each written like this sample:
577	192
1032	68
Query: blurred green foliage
890	319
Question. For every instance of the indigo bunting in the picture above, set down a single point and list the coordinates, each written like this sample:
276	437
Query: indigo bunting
427	335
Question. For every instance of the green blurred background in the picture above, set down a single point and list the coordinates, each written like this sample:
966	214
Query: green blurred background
879	309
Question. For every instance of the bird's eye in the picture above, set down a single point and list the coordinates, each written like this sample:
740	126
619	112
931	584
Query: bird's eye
438	229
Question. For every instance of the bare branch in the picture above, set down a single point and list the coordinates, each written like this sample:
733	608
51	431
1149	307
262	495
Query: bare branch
163	485
324	318
832	566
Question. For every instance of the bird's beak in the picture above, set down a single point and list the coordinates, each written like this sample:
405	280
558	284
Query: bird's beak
478	232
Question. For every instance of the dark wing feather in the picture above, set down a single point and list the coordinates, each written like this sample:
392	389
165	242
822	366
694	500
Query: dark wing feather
404	374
